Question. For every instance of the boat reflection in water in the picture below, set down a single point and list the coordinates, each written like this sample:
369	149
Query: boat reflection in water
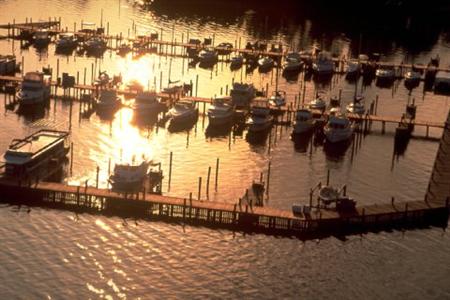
302	141
336	151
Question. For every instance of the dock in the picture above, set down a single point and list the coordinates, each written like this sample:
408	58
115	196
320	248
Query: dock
432	210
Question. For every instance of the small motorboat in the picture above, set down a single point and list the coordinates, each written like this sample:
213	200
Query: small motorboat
385	74
357	106
294	55
124	49
108	101
41	38
259	120
193	49
236	62
129	177
183	112
277	99
328	194
95	45
353	70
207	57
412	78
242	94
220	112
103	79
265	64
67	42
304	121
224	48
323	65
318	103
134	86
338	129
147	103
291	65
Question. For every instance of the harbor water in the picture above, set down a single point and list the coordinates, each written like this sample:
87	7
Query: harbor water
58	254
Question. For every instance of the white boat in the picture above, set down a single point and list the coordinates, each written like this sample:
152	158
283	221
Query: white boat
129	177
278	99
207	57
220	112
304	121
35	89
292	65
318	103
41	38
183	112
107	101
294	55
146	103
442	81
323	64
32	155
412	76
386	73
236	62
338	129
265	64
95	45
357	106
67	41
242	94
353	69
259	120
328	194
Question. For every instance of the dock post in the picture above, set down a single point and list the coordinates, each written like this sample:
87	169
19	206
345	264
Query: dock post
340	95
196	85
199	187
184	208
22	67
71	157
96	177
268	178
217	174
328	177
170	169
207	182
383	127
428	128
376	104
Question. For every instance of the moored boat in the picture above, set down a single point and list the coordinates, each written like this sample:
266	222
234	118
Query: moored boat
183	112
36	154
147	103
304	121
129	177
35	89
259	120
242	94
338	129
220	112
278	99
108	101
265	64
66	42
357	106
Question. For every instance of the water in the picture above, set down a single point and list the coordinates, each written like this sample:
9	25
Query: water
58	254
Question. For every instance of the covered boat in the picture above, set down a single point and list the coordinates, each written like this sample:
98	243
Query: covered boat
129	177
259	120
338	129
220	112
35	89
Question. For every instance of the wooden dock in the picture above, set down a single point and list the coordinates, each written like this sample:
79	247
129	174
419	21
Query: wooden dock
433	210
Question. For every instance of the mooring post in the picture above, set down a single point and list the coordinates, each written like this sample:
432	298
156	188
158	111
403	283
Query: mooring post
170	169
196	85
96	177
328	177
71	157
268	178
217	175
207	182
199	187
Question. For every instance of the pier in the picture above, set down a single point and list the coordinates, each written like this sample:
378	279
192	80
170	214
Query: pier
432	210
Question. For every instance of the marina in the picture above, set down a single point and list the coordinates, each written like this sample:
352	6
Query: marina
247	151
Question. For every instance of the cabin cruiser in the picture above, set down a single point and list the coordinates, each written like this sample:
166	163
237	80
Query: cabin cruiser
242	94
224	48
236	62
259	120
442	82
323	64
292	65
412	78
32	155
220	112
146	103
207	57
338	129
108	101
356	107
41	38
265	64
353	70
385	73
129	177
278	99
318	103
35	89
182	112
95	45
192	50
304	121
67	42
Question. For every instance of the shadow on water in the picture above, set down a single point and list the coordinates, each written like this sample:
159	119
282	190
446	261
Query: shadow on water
257	138
218	131
336	151
33	112
302	141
